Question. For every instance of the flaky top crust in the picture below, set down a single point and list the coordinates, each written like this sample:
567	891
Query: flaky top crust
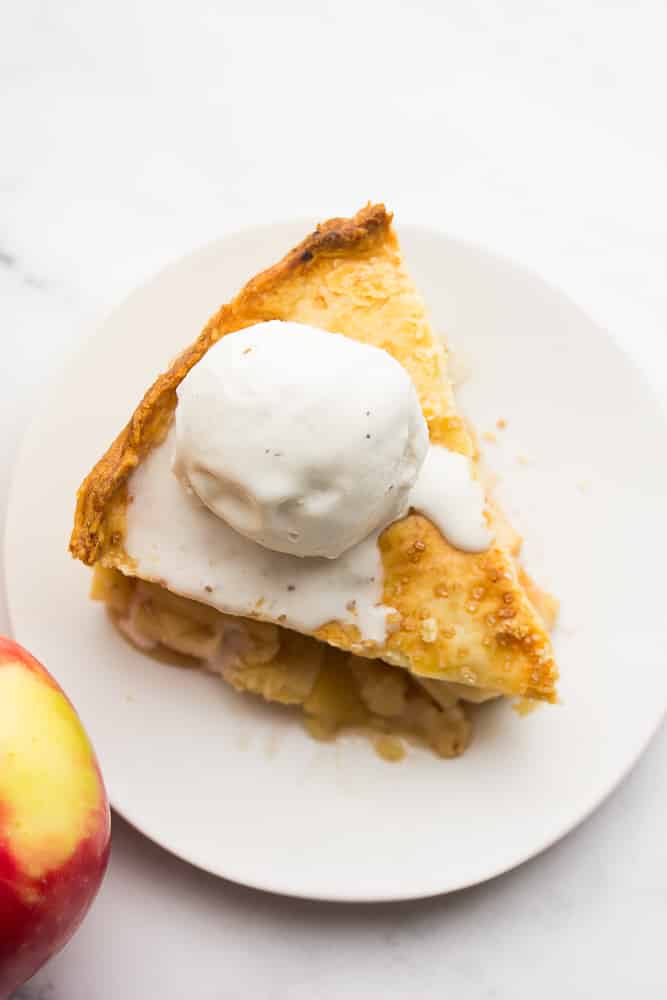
150	420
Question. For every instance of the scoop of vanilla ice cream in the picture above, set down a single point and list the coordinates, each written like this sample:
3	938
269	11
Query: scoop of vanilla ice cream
302	440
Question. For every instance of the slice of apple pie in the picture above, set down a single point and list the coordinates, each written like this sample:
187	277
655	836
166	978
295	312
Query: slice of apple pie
392	630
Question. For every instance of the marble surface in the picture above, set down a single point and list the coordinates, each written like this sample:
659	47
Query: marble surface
132	132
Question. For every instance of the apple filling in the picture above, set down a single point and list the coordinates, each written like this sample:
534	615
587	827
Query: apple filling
335	690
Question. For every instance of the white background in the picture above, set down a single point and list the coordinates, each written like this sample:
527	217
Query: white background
131	132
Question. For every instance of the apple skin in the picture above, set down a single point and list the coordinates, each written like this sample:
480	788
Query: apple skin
54	818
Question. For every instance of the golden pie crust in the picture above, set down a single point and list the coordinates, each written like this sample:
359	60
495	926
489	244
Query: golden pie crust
461	617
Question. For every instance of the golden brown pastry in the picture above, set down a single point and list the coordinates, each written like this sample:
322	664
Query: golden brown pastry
460	617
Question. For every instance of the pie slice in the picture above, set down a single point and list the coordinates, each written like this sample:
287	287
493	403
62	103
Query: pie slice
469	619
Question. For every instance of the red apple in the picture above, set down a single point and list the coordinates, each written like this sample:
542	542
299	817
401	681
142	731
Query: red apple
54	818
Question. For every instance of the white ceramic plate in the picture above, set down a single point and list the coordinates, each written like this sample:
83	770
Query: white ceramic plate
235	786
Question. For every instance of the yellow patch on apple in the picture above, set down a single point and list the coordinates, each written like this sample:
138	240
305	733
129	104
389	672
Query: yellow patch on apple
48	778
